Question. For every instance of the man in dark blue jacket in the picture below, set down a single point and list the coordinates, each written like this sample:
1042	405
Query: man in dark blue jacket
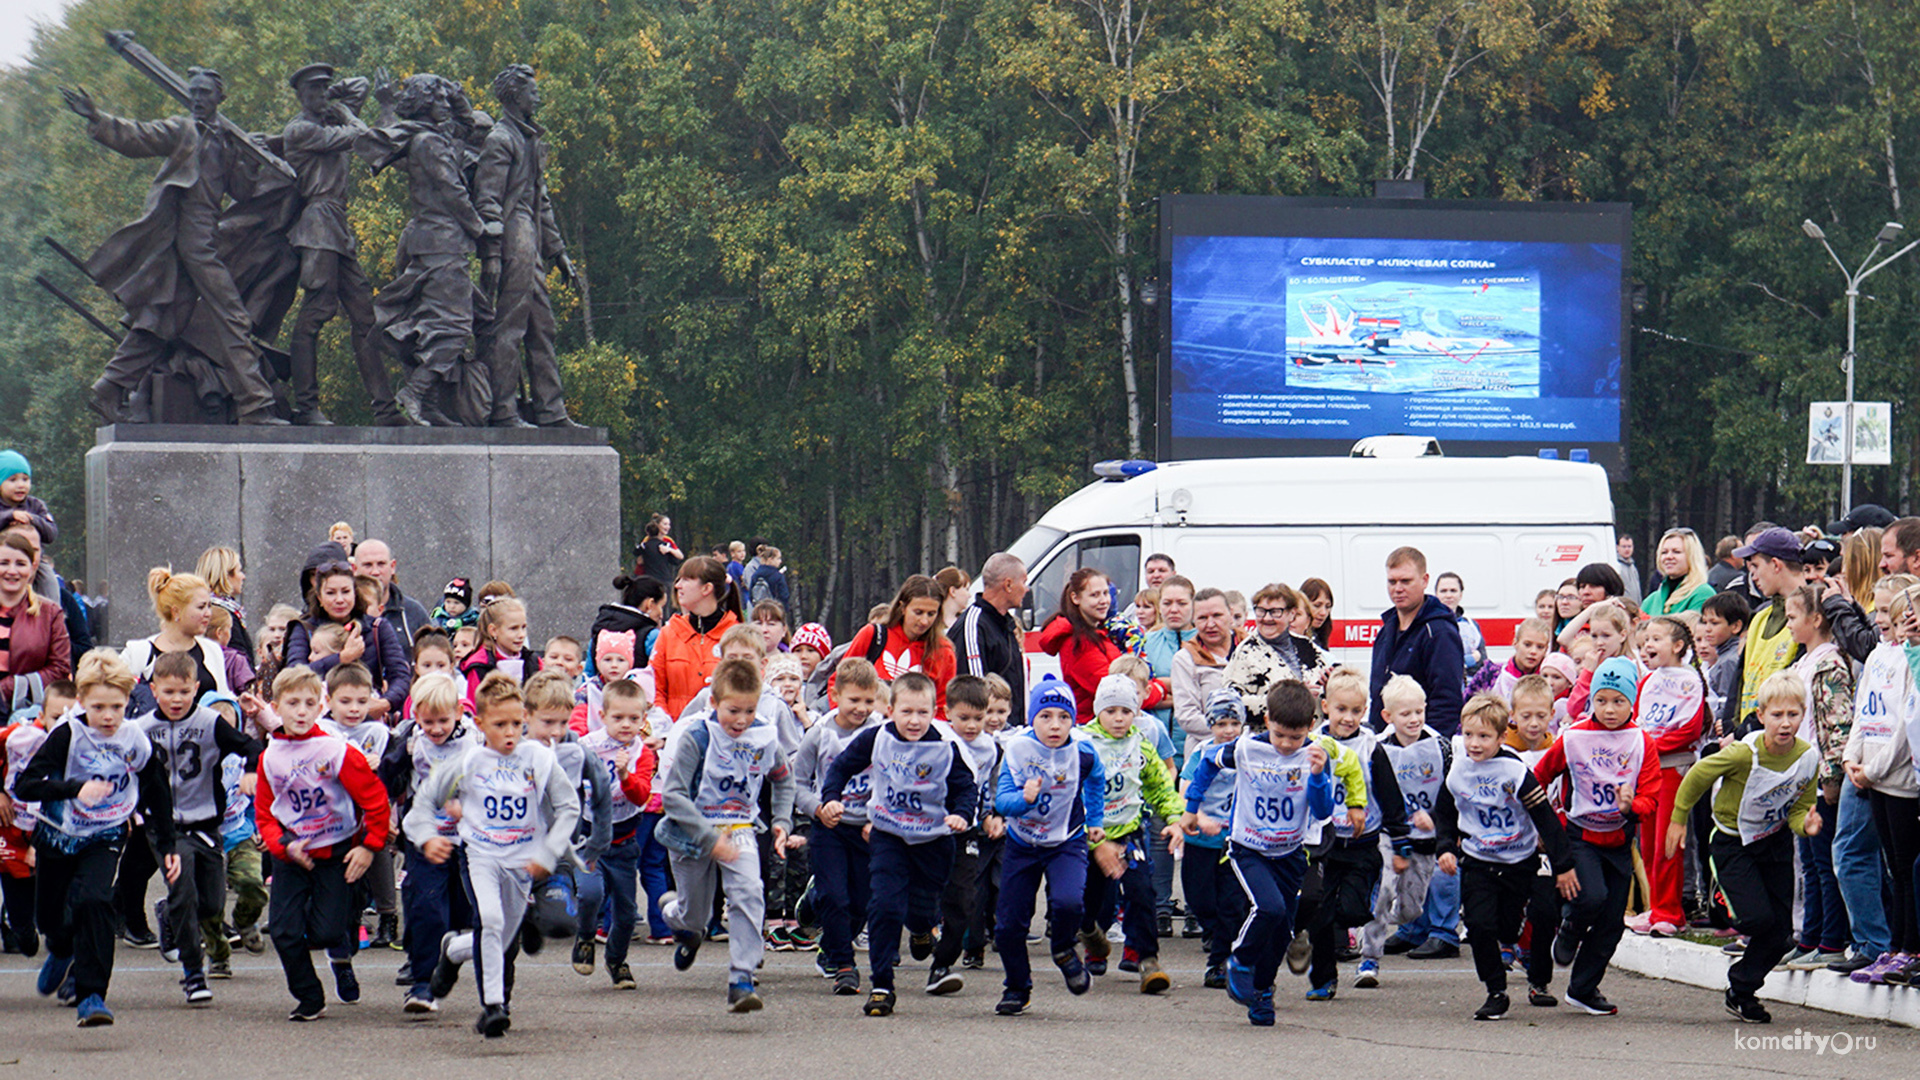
1419	637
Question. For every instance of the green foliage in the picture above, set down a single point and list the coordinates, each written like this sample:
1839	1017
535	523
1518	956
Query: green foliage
864	277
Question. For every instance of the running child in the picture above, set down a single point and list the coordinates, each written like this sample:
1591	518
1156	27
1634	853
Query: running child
1135	776
960	915
549	701
839	851
18	743
1420	760
517	815
191	739
435	902
1530	729
240	840
1051	792
322	815
89	776
923	794
1497	830
1350	861
1213	895
710	793
1766	787
350	694
1610	768
621	749
1671	709
1282	784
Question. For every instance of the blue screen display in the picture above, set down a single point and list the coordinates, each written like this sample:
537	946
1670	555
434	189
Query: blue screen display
1336	337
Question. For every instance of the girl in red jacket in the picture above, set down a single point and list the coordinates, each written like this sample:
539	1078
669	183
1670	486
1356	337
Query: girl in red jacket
1076	637
916	639
1671	708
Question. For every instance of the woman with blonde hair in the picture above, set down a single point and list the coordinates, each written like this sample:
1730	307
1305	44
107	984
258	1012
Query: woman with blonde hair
220	568
1682	563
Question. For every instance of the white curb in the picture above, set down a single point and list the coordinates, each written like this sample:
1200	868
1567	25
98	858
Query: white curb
1705	965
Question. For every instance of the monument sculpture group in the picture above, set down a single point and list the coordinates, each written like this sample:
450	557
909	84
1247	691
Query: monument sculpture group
238	224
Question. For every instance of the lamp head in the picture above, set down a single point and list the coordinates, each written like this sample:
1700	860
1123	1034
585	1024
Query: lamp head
1889	232
1812	230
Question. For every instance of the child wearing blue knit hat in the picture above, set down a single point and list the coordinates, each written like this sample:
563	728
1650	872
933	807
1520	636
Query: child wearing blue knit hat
1612	772
17	503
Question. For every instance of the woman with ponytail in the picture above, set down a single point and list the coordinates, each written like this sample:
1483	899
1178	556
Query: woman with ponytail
687	649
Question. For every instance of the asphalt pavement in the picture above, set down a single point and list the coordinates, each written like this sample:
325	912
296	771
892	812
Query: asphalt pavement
1417	1024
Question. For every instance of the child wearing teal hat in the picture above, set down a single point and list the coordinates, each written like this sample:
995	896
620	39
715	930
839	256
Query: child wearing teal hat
17	503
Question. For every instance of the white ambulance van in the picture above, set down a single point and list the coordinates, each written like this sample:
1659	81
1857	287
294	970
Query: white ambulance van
1509	527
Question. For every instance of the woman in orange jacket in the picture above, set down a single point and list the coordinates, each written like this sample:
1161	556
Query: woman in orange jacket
688	648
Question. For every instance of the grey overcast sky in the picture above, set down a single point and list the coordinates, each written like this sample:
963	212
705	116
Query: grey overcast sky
17	19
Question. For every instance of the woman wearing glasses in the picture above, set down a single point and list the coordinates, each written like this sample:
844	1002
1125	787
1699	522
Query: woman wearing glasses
1274	652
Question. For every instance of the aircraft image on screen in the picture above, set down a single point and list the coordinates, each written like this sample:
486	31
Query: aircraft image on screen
1398	337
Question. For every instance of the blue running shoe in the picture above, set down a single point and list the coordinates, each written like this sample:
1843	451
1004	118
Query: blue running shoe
94	1012
1260	1012
53	972
1323	992
1240	983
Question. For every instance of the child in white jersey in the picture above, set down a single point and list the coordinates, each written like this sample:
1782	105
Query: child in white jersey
710	793
1671	707
517	813
191	738
1420	758
959	901
437	731
923	795
549	700
1051	792
322	814
839	852
620	748
89	776
1213	895
1282	784
350	694
1498	831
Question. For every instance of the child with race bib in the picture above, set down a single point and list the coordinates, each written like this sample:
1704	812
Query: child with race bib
710	794
1767	783
1052	793
1497	831
839	851
436	732
1828	675
89	776
1420	760
923	794
1214	898
1282	783
322	814
517	814
1671	707
1610	769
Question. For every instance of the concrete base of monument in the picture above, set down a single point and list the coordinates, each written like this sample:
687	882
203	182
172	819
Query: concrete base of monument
539	508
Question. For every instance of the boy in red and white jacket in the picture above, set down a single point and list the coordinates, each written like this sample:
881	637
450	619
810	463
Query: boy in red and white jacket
322	813
1612	772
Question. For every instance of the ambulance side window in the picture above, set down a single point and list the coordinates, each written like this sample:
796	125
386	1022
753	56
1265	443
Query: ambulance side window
1116	555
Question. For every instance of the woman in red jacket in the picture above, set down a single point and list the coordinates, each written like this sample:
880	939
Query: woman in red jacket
916	638
1075	637
34	650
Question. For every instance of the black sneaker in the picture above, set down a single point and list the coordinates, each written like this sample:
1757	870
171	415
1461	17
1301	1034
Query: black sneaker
445	971
1435	949
1495	1008
686	946
622	976
1192	928
531	939
1012	1003
973	959
920	946
163	931
1397	945
1747	1010
1163	924
303	1014
846	982
346	983
386	932
1539	998
139	939
941	981
879	1003
1079	980
1853	962
1216	977
1564	944
1595	1004
493	1022
583	957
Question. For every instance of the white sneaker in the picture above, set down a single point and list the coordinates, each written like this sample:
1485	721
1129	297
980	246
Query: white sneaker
860	942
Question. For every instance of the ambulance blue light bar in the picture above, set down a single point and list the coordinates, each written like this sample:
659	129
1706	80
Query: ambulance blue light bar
1118	469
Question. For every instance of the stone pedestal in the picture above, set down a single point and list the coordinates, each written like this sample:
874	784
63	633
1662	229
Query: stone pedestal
537	508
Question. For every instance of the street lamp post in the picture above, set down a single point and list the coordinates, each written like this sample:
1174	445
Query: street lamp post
1889	233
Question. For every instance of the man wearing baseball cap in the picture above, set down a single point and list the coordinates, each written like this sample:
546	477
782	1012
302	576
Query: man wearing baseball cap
1775	567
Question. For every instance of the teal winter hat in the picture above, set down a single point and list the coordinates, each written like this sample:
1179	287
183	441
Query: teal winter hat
12	464
1618	674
